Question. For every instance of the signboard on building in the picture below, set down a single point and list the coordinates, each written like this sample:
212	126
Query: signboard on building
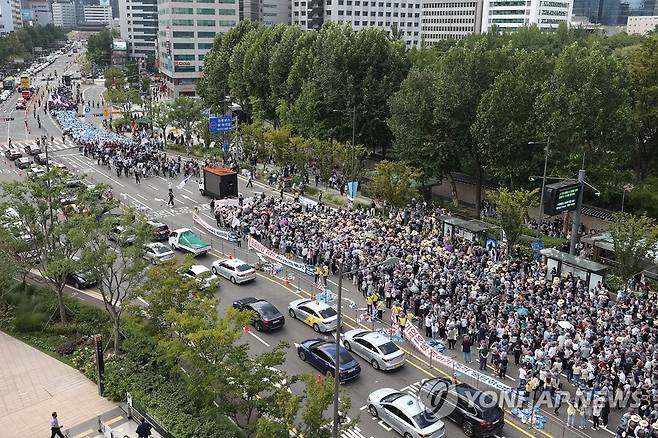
217	125
561	197
119	45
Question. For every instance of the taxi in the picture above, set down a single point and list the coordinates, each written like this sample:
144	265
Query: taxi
321	316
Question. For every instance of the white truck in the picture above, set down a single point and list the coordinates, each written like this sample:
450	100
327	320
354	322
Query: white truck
185	240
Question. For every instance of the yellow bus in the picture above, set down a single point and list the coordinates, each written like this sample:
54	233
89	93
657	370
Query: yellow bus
25	81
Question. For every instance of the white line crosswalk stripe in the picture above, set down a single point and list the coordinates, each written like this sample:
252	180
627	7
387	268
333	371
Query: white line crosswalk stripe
55	145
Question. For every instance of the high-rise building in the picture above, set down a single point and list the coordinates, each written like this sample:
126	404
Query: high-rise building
512	14
186	32
64	14
641	25
97	14
449	19
37	12
139	26
275	12
400	18
11	17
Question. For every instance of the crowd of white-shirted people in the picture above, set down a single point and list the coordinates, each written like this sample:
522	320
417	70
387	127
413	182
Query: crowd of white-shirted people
492	310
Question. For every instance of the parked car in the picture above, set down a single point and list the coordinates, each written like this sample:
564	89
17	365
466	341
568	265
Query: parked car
161	231
32	149
13	154
321	354
122	234
22	163
374	347
201	275
265	316
234	270
35	171
407	415
321	316
185	240
477	412
40	159
157	253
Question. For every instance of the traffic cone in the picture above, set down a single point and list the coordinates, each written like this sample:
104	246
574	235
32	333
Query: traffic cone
318	378
285	279
246	329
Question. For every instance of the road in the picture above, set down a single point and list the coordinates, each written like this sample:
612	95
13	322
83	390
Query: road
150	197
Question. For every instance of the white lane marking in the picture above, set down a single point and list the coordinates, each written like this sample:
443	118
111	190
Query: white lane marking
258	337
143	197
154	188
185	190
362	407
386	427
100	173
143	301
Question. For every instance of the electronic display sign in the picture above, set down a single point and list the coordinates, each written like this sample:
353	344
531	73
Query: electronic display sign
561	197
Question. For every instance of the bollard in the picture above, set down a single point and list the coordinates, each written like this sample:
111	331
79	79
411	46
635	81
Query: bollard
100	424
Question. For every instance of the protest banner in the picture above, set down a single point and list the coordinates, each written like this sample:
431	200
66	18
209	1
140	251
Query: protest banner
279	258
416	339
222	234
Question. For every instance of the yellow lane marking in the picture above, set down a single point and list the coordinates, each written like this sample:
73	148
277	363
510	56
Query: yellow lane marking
113	420
85	434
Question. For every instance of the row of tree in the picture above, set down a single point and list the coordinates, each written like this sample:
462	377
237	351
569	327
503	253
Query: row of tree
472	106
41	230
21	42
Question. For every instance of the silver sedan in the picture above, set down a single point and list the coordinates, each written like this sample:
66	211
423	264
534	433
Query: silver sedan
157	253
374	347
405	414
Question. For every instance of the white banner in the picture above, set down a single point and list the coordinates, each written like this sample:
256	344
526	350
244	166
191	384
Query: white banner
307	202
222	234
259	247
228	202
417	340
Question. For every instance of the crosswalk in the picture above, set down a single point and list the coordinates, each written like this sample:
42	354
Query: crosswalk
56	145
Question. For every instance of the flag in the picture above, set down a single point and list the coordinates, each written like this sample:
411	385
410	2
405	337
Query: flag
182	183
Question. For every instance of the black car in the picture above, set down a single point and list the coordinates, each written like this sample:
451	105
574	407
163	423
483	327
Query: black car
40	159
82	279
160	231
266	317
32	149
476	412
22	163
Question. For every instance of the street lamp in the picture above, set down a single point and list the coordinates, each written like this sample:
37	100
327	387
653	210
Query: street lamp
341	274
546	144
626	188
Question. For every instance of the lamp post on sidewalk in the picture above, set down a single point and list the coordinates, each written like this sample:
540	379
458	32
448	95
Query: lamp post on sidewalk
341	274
540	216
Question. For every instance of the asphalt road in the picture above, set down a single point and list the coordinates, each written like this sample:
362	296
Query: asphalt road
150	198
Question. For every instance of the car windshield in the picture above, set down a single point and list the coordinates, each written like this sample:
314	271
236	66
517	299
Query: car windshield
204	274
161	249
328	312
162	227
388	348
267	310
243	267
425	419
345	357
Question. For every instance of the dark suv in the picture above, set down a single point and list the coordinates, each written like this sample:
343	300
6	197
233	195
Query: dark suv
476	412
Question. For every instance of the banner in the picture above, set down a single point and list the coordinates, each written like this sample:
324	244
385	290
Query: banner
307	202
417	340
352	188
222	234
260	248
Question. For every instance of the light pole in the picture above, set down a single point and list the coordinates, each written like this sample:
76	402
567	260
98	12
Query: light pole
626	188
353	136
547	145
341	274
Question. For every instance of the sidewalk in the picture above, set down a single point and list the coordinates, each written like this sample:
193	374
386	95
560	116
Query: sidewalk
33	385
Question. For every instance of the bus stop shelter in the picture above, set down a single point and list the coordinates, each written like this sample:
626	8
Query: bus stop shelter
472	230
591	272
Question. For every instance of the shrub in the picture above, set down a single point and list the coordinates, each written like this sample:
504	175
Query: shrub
67	348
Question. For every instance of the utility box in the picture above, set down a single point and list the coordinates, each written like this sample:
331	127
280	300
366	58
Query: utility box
219	183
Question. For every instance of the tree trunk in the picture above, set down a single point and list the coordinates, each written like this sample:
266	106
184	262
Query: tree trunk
116	335
478	189
427	192
453	189
60	304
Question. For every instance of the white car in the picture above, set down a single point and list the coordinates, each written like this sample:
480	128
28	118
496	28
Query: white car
321	316
405	414
377	349
157	252
201	275
234	269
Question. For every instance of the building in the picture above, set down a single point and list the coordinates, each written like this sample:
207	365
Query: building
186	32
139	26
449	19
64	14
275	12
97	14
11	17
511	14
37	12
641	25
401	17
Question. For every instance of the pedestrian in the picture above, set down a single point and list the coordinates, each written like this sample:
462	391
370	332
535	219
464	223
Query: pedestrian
380	310
582	411
558	402
369	301
318	273
466	348
239	238
597	407
55	427
212	205
452	337
171	198
144	429
571	414
250	180
325	275
484	355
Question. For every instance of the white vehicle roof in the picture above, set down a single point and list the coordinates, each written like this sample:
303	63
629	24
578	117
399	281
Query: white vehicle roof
374	338
312	304
232	262
199	269
181	230
156	245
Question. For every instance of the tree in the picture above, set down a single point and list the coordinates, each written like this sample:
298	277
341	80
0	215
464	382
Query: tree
184	114
350	160
635	239
512	211
394	182
278	140
57	231
99	48
161	118
124	98
120	268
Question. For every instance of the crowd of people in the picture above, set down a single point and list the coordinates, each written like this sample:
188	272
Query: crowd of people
556	330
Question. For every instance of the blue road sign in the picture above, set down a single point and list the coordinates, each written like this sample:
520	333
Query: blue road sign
87	109
218	125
